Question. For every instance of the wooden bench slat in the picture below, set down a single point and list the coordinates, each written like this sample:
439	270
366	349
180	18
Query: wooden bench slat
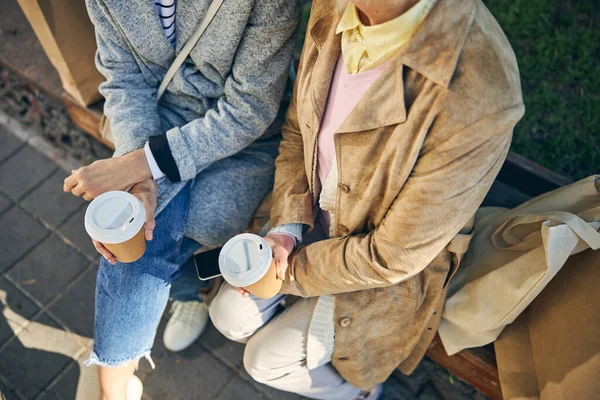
88	119
476	366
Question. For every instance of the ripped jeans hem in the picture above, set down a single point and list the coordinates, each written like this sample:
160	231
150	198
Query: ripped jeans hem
95	360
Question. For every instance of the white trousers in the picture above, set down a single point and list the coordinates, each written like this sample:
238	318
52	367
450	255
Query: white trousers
276	344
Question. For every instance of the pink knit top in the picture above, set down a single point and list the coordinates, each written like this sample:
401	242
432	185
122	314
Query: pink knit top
344	93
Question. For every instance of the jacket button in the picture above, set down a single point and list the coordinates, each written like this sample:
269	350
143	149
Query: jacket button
343	230
344	188
345	322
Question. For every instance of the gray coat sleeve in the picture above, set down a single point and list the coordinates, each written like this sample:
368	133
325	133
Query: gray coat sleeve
252	92
131	105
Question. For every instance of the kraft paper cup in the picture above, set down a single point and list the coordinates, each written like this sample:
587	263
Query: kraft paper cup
116	219
246	261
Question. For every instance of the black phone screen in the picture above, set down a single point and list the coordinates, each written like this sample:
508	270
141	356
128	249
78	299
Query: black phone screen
207	264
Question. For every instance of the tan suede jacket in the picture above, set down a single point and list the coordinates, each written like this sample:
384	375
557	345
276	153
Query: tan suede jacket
415	159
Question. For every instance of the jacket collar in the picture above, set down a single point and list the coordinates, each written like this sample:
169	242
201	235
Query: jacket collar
433	51
328	44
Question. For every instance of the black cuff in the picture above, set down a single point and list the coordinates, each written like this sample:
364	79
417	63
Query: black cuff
159	146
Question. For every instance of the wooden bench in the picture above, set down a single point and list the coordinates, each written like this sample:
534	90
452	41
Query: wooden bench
518	180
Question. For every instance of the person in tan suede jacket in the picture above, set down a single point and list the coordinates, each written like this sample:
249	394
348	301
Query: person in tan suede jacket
415	159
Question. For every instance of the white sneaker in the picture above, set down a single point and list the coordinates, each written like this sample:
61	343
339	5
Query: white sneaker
187	322
135	388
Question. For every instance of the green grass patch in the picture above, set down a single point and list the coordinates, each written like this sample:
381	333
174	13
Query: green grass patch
557	44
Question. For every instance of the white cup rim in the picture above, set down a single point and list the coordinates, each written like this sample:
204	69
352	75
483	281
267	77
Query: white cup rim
253	275
131	225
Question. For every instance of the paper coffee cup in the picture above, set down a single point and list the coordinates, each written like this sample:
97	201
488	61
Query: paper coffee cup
246	261
116	219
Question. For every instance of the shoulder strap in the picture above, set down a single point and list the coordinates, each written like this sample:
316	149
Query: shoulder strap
185	51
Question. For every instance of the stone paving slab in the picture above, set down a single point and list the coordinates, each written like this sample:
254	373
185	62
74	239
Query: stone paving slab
428	375
75	308
429	393
191	374
228	351
74	231
23	171
50	203
29	368
418	379
273	393
393	390
19	232
16	310
66	386
240	389
5	203
8	390
47	270
8	143
76	381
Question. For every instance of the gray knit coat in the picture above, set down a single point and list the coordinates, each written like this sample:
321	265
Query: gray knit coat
219	110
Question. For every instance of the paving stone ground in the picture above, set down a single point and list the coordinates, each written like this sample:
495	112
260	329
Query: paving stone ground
47	277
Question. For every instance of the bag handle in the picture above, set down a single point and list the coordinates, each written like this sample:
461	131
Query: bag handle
505	237
187	48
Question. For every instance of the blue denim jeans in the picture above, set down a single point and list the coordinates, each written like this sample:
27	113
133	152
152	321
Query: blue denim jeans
131	298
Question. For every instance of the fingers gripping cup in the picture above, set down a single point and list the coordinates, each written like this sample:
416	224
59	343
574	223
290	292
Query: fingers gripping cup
116	219
246	261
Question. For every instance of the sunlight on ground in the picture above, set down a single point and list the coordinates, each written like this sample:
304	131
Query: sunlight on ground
36	336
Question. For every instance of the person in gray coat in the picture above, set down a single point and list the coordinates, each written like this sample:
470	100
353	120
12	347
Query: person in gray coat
201	158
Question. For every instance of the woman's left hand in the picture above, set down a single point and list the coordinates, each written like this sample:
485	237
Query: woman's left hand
109	174
282	246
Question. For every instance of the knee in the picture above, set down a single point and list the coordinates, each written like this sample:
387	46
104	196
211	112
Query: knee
226	317
256	361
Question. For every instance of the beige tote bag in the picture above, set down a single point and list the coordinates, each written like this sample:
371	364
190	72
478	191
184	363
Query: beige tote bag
552	351
512	257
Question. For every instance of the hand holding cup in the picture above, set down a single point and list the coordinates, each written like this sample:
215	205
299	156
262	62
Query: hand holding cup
247	262
282	246
108	211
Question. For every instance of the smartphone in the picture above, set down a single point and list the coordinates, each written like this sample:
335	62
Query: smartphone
207	264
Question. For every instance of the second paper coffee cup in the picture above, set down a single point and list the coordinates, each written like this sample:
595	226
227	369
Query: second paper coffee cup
116	219
247	261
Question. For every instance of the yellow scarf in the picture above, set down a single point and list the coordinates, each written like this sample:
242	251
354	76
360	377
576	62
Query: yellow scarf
365	47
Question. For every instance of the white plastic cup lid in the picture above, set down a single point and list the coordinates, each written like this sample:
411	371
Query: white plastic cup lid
114	217
245	259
